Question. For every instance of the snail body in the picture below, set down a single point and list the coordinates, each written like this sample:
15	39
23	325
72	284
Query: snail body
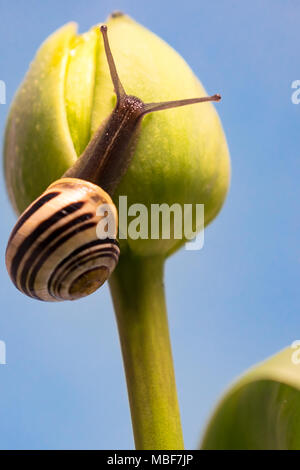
54	252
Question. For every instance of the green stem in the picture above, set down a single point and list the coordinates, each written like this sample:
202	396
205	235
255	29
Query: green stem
138	294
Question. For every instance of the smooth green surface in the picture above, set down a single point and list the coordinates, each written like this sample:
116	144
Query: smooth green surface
79	87
181	154
261	410
138	294
38	146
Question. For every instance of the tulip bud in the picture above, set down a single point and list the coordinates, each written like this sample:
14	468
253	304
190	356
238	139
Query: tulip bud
180	155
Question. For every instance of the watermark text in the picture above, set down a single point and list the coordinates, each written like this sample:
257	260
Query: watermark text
2	92
296	94
156	222
2	352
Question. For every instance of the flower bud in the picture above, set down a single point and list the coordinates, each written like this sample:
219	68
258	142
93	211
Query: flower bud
180	155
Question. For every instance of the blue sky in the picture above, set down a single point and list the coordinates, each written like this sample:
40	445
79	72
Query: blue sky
238	300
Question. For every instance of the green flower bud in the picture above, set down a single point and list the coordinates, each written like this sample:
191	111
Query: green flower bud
181	154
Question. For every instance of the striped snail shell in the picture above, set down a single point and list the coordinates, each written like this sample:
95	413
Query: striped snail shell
53	252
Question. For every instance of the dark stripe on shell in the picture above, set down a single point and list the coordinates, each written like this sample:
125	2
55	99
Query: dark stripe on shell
40	229
54	247
109	249
40	247
30	211
79	262
79	250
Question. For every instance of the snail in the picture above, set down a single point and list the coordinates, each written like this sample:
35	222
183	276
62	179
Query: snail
54	252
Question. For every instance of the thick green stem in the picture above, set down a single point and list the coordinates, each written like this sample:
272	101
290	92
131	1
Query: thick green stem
138	294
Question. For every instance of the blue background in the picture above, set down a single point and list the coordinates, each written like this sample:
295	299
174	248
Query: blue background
230	305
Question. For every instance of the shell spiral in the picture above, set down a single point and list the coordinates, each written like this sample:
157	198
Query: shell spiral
54	252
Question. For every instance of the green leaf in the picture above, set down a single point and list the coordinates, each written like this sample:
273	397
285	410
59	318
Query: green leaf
262	409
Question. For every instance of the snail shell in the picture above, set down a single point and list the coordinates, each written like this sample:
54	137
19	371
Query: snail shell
54	253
